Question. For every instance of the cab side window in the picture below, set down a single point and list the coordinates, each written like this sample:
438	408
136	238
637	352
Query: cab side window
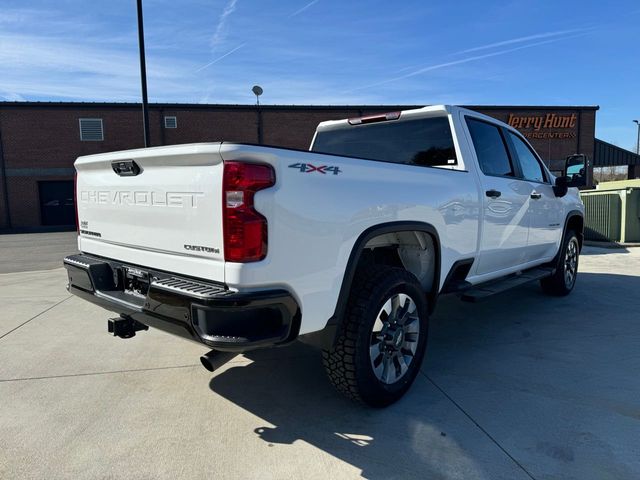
490	148
531	168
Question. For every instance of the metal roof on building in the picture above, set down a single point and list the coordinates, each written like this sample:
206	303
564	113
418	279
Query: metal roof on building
223	106
605	154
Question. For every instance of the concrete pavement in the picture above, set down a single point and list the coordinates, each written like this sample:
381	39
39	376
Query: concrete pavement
520	386
35	251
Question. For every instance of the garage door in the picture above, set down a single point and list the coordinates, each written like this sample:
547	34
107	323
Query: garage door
56	203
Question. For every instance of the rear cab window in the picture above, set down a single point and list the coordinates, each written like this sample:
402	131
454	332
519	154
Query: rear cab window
422	141
491	149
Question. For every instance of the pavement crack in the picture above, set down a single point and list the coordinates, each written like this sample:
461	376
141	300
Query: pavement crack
34	317
88	374
489	436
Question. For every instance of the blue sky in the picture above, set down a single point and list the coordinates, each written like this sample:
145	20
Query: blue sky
331	52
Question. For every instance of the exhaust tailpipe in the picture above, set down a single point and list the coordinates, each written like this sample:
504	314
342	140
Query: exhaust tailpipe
215	359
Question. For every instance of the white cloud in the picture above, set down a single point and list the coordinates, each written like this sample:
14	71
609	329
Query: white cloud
302	9
220	34
233	50
527	38
473	58
94	69
61	68
12	96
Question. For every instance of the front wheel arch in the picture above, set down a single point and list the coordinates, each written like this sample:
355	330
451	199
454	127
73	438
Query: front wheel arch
575	222
556	284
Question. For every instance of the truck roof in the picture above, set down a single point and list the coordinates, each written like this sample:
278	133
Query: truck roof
431	110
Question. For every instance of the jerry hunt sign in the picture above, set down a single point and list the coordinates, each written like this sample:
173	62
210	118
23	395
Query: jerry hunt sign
546	126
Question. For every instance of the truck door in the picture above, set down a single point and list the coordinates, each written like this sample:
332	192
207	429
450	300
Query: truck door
505	200
545	211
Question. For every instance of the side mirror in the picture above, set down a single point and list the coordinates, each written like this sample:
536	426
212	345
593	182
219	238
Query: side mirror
575	169
561	187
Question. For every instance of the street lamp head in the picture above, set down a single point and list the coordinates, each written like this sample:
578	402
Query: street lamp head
636	121
257	91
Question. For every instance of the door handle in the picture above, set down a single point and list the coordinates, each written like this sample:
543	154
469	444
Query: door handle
536	195
493	193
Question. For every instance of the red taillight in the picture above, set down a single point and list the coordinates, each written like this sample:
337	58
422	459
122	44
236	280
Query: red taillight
245	230
75	199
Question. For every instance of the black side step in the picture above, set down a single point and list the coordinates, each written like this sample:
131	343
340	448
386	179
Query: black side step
482	291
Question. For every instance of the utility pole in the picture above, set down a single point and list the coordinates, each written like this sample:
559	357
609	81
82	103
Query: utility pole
143	77
638	140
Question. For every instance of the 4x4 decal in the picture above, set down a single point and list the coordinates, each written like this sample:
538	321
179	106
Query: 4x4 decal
309	168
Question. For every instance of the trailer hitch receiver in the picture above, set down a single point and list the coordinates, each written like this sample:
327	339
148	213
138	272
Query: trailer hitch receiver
124	327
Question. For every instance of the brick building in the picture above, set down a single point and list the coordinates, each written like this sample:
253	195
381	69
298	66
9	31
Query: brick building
39	141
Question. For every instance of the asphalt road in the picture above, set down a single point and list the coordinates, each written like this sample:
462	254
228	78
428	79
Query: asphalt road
520	386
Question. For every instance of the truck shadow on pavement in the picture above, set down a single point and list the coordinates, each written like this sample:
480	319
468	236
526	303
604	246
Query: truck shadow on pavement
296	403
507	345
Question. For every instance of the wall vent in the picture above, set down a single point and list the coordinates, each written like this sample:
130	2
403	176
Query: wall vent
170	122
91	130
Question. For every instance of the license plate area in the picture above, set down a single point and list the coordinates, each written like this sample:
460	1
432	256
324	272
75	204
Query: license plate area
136	281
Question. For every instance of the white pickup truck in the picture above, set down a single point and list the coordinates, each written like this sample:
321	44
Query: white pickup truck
347	245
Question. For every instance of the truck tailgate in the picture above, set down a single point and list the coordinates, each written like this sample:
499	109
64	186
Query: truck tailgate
158	207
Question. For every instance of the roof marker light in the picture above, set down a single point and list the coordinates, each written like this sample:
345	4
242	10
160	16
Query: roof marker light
374	118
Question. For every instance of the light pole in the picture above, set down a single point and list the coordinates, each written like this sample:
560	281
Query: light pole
143	77
634	170
257	91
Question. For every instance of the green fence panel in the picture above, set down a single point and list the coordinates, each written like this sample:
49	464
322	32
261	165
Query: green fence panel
602	216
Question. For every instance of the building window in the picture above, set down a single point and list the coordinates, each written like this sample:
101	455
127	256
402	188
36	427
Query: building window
91	130
170	122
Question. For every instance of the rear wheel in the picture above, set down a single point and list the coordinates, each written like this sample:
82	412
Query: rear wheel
382	339
564	279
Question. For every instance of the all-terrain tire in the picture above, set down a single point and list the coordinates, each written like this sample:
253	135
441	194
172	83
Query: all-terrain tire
561	283
349	363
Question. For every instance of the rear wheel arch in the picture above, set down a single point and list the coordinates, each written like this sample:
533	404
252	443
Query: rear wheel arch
354	262
382	338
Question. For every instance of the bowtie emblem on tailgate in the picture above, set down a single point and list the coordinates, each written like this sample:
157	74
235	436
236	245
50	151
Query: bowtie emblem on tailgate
125	168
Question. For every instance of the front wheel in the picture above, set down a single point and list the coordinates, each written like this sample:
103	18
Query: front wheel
564	279
382	340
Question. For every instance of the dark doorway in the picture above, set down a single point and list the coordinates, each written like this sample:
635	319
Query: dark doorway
57	206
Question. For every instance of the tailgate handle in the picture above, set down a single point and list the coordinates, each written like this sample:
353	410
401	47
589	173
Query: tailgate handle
125	168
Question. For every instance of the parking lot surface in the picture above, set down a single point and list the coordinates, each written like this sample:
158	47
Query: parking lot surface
520	386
